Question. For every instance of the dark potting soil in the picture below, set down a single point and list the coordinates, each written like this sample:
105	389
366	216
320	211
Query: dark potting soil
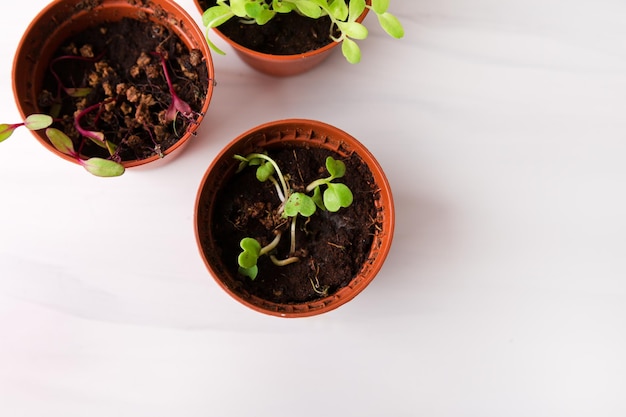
126	77
284	34
332	247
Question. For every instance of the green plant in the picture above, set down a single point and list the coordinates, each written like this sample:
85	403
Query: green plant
343	15
91	115
97	166
322	193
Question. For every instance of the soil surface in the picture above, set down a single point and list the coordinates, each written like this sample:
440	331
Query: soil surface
120	65
284	34
332	247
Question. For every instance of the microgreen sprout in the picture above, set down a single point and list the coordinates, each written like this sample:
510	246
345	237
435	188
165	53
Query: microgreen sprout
322	193
178	105
72	91
97	166
343	15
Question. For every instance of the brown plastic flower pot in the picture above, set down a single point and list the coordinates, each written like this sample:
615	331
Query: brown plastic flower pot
280	65
271	137
62	19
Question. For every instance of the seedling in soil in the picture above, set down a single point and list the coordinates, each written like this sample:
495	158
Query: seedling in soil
322	193
104	167
97	166
342	13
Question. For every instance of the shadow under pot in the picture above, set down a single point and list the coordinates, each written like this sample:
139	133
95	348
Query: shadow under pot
294	218
125	81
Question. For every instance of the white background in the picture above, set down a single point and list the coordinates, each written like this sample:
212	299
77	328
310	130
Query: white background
501	127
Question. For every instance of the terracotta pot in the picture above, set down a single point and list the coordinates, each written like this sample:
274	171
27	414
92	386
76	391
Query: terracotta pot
280	65
303	133
62	19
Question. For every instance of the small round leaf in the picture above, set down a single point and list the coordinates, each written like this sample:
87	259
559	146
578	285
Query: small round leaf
351	51
335	167
299	203
103	167
337	196
264	171
251	272
250	254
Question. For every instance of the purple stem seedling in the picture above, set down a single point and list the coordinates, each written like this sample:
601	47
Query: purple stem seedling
72	92
178	105
61	142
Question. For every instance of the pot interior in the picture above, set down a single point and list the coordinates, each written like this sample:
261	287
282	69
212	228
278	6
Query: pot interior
302	134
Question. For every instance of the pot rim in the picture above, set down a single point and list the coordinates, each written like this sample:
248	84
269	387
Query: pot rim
281	65
57	18
319	134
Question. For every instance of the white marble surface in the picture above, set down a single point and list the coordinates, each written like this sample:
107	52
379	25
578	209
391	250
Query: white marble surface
501	126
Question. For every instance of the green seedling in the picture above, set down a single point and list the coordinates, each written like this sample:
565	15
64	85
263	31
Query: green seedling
178	105
322	193
343	15
96	166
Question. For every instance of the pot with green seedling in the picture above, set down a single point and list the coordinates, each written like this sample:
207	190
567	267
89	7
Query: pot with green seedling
288	37
294	218
112	84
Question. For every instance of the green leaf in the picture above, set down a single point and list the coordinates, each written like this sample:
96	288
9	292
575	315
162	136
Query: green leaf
243	163
78	92
216	15
38	121
264	171
282	6
351	51
259	12
391	25
299	203
214	47
103	167
338	9
308	8
95	137
318	199
380	6
111	147
356	8
337	196
60	141
255	161
238	7
250	254
353	29
5	131
264	17
249	272
335	167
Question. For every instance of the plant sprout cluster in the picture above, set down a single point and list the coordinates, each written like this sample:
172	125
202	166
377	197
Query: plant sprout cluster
103	167
97	166
343	16
322	193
